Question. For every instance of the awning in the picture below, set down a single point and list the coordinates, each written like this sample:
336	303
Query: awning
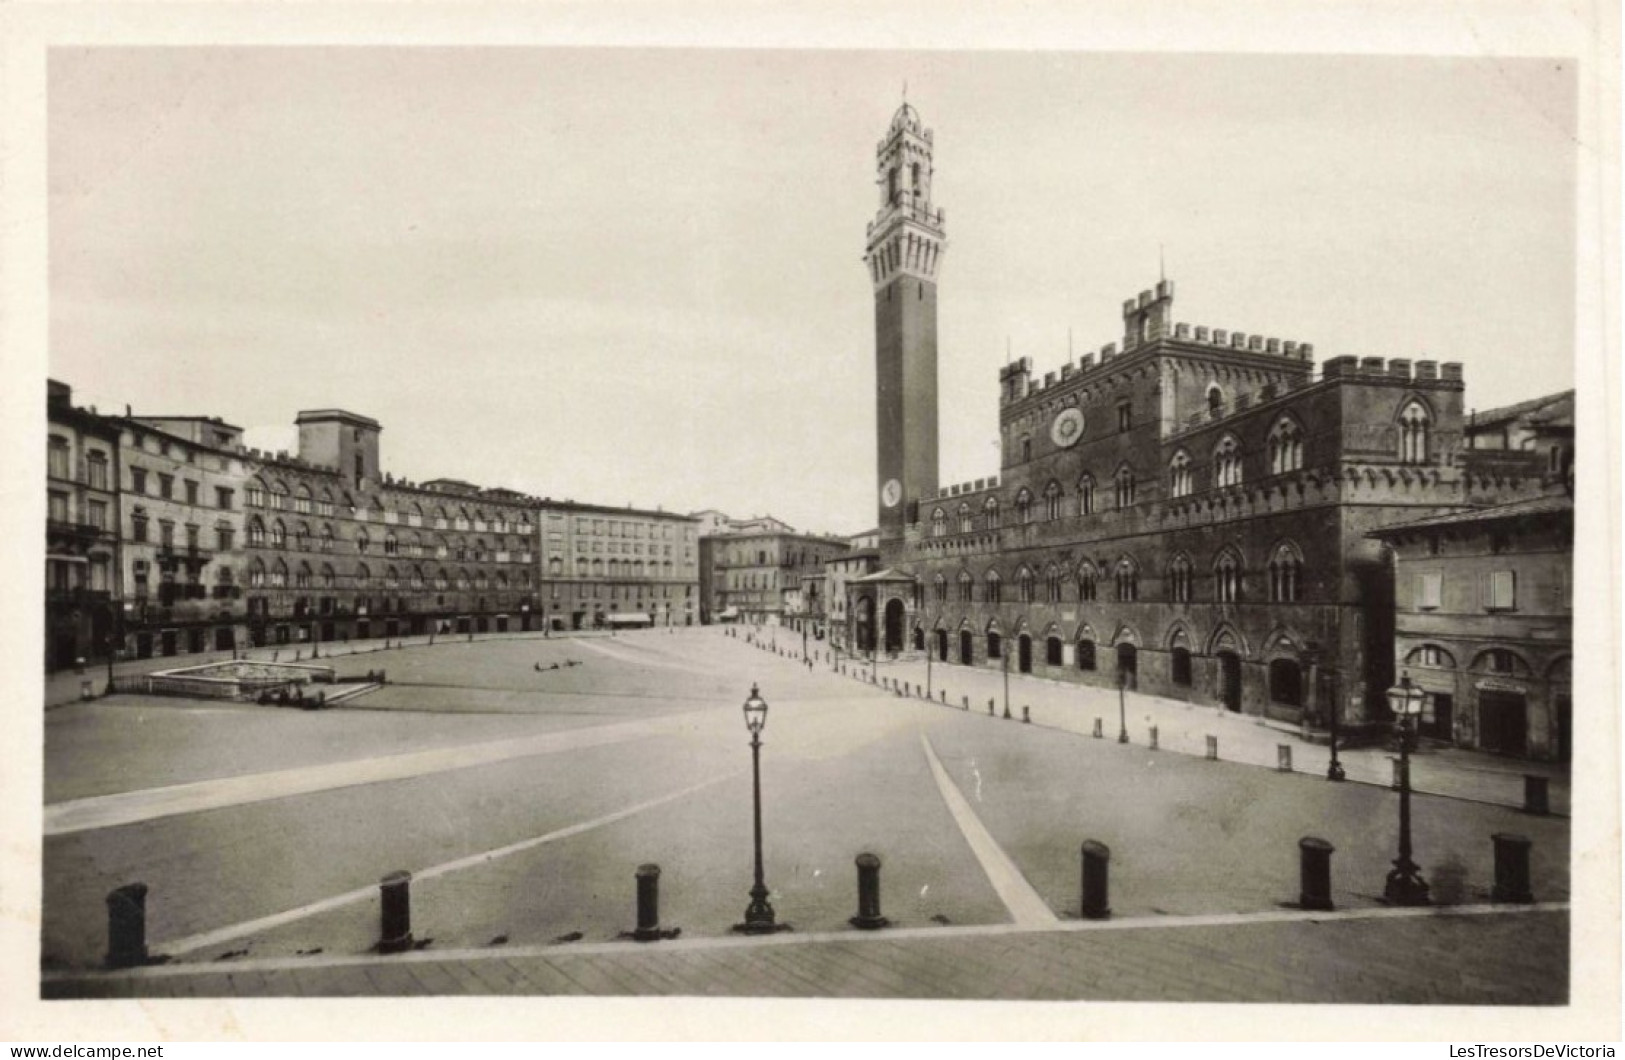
729	612
630	618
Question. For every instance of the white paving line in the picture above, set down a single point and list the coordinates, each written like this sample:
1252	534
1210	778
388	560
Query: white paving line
130	807
1018	896
554	951
248	927
622	655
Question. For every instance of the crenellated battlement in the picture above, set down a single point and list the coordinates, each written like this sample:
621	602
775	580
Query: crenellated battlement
1402	369
1146	323
1219	338
965	488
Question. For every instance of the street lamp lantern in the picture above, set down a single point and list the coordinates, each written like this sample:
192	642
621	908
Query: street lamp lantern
1405	885
755	712
759	914
1405	699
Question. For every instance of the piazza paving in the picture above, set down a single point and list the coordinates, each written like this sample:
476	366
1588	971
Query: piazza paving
523	781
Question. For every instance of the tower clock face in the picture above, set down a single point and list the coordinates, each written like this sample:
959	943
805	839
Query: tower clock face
1067	428
891	493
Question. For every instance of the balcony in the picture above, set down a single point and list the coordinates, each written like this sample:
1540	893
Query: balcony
78	597
78	531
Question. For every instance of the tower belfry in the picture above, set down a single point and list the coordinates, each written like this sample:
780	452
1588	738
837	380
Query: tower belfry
904	251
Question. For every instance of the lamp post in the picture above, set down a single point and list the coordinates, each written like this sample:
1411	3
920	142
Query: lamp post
930	650
759	914
1004	660
1310	660
1405	884
1122	703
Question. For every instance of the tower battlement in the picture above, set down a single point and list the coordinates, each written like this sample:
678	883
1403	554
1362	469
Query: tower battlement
903	249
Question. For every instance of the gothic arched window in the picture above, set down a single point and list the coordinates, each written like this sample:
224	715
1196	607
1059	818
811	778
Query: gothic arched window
1024	505
1086	581
1125	486
1179	577
1052	500
1414	422
991	508
1227	462
1286	570
1179	474
1227	578
1286	446
1086	494
1128	581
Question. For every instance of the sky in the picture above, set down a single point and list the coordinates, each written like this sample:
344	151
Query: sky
634	276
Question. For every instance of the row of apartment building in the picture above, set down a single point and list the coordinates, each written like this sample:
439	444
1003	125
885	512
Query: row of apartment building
166	535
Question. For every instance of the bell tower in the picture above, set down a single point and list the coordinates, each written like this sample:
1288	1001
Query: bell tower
904	250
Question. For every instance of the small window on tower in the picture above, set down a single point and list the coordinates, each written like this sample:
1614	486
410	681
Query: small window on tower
916	176
891	185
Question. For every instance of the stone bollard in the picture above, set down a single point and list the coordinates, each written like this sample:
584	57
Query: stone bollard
1283	757
648	929
1153	737
1096	857
868	917
297	655
395	897
964	702
1212	748
1535	799
990	708
127	926
1511	869
944	696
1026	719
1007	712
1315	873
1099	732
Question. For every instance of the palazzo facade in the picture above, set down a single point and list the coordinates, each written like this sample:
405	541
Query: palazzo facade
1185	511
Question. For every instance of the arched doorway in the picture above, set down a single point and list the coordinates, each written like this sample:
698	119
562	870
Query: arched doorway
995	645
894	625
1230	681
919	639
1024	653
1086	655
942	645
1286	683
1179	667
966	654
865	617
1052	651
1128	664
